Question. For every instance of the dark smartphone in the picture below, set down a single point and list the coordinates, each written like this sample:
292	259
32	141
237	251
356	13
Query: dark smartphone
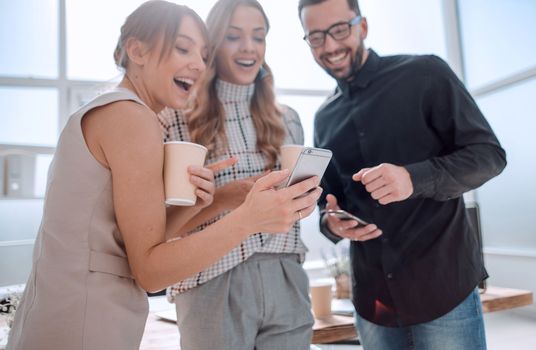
344	215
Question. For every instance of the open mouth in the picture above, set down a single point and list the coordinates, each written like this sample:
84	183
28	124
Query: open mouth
337	57
246	63
184	83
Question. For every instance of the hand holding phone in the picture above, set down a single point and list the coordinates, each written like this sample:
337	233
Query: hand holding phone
344	215
339	222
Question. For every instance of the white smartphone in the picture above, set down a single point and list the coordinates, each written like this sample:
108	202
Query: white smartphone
344	215
311	162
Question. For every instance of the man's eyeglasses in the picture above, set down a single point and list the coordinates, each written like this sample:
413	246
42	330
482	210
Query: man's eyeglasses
338	31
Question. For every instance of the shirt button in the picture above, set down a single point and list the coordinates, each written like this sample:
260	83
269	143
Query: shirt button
361	134
390	276
385	240
377	205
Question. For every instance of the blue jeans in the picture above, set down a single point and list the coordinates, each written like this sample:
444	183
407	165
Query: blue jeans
460	329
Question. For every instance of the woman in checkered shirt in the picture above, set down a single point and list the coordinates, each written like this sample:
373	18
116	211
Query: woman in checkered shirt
256	297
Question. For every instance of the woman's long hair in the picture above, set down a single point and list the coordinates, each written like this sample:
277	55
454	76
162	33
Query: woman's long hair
206	119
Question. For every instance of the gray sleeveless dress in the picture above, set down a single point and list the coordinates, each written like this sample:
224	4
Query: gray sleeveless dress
80	293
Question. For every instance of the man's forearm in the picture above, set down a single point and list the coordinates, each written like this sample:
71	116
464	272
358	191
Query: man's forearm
450	176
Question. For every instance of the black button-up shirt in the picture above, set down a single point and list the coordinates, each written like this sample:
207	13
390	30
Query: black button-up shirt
410	111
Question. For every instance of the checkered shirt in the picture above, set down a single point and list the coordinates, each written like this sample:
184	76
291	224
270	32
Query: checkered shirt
242	140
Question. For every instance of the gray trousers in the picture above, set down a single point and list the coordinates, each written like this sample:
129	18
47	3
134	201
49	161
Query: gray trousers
261	304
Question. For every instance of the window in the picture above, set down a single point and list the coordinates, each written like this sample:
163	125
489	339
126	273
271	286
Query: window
505	206
498	39
410	26
29	38
500	69
29	115
91	42
286	52
31	95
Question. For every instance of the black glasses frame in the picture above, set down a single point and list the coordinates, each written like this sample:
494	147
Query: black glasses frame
350	23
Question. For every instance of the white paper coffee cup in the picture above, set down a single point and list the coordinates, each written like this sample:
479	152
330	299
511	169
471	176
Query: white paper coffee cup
321	296
289	155
178	156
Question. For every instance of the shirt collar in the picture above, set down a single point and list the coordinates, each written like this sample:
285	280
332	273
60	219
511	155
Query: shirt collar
229	92
363	76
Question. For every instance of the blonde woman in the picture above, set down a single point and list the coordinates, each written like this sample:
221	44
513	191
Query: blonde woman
256	297
101	243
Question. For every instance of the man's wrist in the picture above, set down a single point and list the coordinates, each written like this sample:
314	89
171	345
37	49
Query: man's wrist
422	179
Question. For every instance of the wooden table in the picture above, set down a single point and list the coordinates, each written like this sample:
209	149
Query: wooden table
498	299
333	329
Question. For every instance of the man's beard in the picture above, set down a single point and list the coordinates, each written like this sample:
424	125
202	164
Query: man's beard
355	65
